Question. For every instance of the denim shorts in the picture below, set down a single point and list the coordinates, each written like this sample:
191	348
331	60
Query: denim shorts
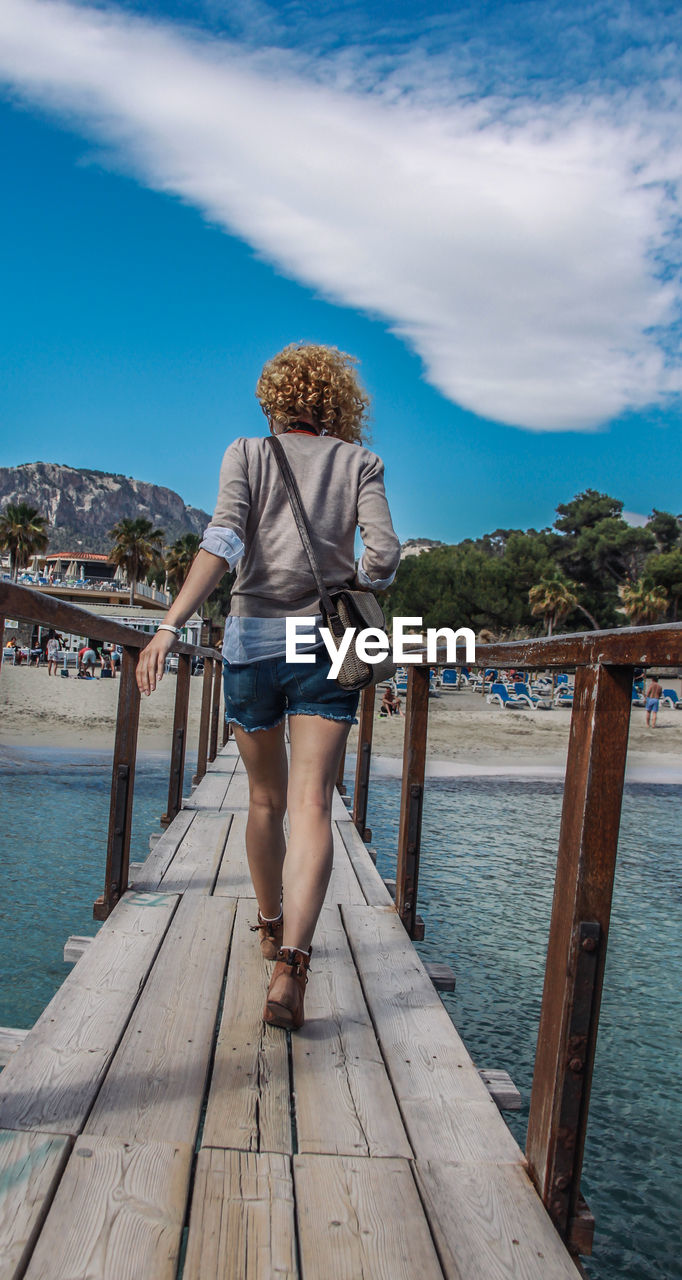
258	695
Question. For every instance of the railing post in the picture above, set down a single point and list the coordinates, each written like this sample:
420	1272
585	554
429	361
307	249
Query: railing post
412	795
576	952
215	709
205	719
340	784
179	744
362	763
2	638
122	786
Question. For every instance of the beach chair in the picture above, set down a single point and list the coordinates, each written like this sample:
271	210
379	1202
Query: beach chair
500	696
563	696
523	690
671	699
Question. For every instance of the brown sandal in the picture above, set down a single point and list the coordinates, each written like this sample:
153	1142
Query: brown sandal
284	1003
271	933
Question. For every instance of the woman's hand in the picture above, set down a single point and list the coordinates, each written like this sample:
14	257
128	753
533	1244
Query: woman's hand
152	661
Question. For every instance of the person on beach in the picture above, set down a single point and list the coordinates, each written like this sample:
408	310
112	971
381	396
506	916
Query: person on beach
52	648
314	403
390	703
653	696
87	659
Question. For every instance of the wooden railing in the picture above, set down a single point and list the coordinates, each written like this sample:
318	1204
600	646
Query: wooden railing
48	611
604	663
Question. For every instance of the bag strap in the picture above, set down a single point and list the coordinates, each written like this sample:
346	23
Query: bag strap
294	495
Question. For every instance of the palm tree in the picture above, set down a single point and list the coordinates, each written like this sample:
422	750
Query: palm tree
179	559
643	603
553	598
136	547
22	533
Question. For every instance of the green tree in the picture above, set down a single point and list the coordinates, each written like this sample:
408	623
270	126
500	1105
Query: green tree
23	534
666	528
643	603
179	559
600	551
665	572
137	544
553	599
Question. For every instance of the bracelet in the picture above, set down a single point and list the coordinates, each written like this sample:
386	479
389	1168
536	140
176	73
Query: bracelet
166	626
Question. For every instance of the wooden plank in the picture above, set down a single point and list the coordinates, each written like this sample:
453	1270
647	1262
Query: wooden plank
176	772
119	1211
74	947
343	885
165	848
446	1108
340	813
11	1038
489	1223
249	1105
51	1081
344	1100
373	888
155	1085
361	1220
195	865
659	646
210	792
441	975
233	877
237	795
501	1088
31	1165
241	1223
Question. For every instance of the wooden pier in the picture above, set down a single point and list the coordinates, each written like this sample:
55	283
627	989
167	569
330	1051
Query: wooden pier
151	1126
150	1121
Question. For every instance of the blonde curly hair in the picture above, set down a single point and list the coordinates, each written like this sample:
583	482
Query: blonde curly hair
320	381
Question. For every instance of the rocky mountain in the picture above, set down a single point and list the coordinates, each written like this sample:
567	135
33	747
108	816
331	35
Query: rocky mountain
81	506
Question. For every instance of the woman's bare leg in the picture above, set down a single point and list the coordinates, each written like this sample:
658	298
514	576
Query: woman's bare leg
316	748
264	757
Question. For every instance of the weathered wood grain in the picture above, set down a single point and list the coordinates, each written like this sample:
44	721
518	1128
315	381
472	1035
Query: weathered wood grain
344	1100
51	1081
361	1220
233	877
489	1223
340	812
371	883
117	1215
501	1088
343	885
156	864
10	1040
210	792
31	1165
242	1218
447	1110
237	795
195	865
249	1105
155	1085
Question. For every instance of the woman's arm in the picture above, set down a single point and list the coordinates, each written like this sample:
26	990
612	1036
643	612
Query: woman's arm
202	579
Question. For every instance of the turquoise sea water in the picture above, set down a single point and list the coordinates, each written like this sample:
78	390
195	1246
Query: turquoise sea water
489	848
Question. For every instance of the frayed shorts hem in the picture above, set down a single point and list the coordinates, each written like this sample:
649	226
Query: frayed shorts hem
258	728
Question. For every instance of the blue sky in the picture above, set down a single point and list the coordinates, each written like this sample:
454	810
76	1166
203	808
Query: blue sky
482	205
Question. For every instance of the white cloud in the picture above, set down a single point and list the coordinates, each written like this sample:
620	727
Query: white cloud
514	252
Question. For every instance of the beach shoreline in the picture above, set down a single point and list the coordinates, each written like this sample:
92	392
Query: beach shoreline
466	736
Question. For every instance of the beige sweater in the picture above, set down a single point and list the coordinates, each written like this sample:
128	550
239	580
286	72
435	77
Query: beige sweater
342	487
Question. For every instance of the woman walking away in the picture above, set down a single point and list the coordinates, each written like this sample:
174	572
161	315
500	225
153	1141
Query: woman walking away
52	648
315	405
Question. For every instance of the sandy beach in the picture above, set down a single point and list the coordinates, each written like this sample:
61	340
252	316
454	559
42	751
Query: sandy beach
466	735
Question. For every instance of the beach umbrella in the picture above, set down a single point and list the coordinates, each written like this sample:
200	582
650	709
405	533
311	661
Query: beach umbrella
119	575
72	571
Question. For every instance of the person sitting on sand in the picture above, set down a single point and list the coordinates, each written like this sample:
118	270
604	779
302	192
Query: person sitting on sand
653	696
390	703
